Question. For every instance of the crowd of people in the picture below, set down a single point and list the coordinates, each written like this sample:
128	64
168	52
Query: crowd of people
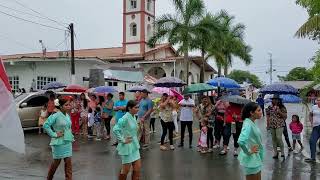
134	121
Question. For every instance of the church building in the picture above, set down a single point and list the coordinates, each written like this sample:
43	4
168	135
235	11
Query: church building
138	26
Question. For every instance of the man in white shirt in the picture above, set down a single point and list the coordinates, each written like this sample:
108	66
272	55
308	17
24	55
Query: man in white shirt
186	118
315	134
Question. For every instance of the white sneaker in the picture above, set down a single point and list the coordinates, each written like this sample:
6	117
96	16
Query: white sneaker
98	139
210	150
171	147
228	148
216	146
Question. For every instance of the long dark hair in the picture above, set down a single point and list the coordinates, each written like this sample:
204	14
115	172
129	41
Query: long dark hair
62	101
248	109
101	100
297	117
130	105
84	101
280	103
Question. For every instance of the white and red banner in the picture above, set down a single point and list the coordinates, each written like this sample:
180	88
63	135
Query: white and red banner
11	132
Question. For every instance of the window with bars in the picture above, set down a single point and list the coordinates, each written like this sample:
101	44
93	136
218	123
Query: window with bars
133	4
112	83
14	82
42	81
149	5
133	29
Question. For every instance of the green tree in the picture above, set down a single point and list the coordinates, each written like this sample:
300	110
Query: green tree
311	28
180	29
209	32
245	76
229	44
298	74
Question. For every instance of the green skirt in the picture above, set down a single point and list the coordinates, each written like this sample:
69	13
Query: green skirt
126	159
62	151
251	171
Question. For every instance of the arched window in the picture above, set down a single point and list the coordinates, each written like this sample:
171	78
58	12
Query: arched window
149	31
133	4
133	29
149	5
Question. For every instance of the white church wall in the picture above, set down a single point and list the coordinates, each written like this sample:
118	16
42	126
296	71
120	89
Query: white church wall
137	21
132	48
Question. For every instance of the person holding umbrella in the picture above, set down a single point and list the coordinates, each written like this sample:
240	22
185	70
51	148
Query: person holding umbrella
276	116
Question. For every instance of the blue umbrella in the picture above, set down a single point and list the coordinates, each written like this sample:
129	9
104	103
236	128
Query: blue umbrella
169	82
223	82
54	85
279	88
287	98
104	89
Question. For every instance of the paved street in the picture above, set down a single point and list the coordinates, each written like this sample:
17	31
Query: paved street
98	161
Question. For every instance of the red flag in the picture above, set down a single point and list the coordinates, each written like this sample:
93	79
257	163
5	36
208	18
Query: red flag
11	132
3	76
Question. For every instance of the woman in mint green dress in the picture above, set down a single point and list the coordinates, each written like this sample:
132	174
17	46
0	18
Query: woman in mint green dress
126	131
250	142
58	127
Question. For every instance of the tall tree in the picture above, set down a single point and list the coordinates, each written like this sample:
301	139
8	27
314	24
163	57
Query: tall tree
245	76
298	74
208	32
229	44
180	29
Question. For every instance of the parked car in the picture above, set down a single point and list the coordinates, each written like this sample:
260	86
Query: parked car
29	105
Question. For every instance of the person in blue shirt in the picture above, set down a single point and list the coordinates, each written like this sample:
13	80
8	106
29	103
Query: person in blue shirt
120	106
260	102
145	110
120	109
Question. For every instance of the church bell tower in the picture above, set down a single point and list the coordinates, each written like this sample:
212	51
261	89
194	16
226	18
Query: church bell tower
138	25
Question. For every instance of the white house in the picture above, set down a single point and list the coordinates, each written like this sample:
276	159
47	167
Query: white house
138	19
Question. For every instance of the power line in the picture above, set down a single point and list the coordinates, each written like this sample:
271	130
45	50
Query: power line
44	25
25	6
65	39
75	35
22	12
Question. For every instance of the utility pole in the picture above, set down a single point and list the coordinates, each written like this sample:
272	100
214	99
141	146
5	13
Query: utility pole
73	74
270	71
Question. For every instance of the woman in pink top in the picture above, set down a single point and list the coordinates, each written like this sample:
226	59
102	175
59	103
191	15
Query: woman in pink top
296	127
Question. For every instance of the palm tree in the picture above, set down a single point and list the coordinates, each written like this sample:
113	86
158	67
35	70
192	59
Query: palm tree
229	44
208	31
180	29
312	26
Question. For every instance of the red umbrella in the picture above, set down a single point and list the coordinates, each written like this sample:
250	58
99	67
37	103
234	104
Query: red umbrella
75	88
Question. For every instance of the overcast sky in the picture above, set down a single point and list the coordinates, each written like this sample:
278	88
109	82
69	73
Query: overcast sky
270	24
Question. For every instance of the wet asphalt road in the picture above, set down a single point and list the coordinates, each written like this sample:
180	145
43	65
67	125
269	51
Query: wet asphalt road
99	161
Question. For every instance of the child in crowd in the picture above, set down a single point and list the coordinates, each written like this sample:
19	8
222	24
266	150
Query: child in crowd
42	117
90	123
97	123
296	127
203	146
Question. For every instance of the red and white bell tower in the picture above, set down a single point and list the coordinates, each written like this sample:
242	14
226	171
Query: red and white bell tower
138	25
